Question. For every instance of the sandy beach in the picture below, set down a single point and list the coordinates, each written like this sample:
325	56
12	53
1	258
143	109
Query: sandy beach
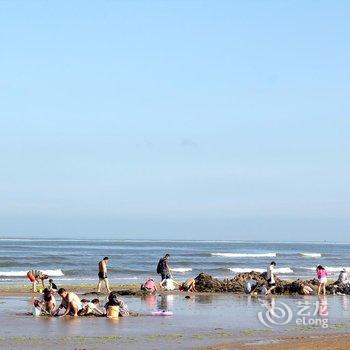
200	321
220	316
317	341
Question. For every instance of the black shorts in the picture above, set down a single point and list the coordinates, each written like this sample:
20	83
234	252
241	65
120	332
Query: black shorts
164	275
271	284
102	276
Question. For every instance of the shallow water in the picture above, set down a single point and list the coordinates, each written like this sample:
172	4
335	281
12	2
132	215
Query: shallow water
201	314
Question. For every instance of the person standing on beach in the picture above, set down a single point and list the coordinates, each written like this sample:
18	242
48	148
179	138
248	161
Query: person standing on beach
322	279
102	274
163	268
35	276
271	270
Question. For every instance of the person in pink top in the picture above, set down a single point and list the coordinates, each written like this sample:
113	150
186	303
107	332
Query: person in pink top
322	278
149	286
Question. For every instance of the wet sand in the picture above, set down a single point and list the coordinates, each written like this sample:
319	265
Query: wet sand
321	341
325	342
203	321
25	289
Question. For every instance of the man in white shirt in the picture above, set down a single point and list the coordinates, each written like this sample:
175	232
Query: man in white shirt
271	271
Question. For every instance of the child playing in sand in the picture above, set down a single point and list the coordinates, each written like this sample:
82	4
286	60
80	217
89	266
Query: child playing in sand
91	308
46	305
37	308
263	290
49	301
250	285
52	286
116	307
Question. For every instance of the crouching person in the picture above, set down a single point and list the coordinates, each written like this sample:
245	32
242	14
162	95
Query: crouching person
49	301
189	285
115	307
70	301
91	308
46	305
149	287
305	289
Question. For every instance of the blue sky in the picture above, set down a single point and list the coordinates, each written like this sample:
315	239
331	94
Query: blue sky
175	119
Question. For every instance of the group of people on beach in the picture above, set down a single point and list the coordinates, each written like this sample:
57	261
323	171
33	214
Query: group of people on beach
115	307
163	269
73	305
251	285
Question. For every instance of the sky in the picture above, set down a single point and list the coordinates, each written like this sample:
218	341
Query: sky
175	119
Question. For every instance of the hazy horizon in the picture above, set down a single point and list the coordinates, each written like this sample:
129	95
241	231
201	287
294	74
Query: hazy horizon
53	238
196	120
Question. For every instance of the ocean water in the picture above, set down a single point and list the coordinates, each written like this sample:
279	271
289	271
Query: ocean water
75	261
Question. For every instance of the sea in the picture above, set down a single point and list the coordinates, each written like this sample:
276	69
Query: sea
133	261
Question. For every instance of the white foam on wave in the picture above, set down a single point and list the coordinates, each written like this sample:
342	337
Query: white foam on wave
94	279
50	273
249	269
245	255
245	269
311	255
181	269
284	270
